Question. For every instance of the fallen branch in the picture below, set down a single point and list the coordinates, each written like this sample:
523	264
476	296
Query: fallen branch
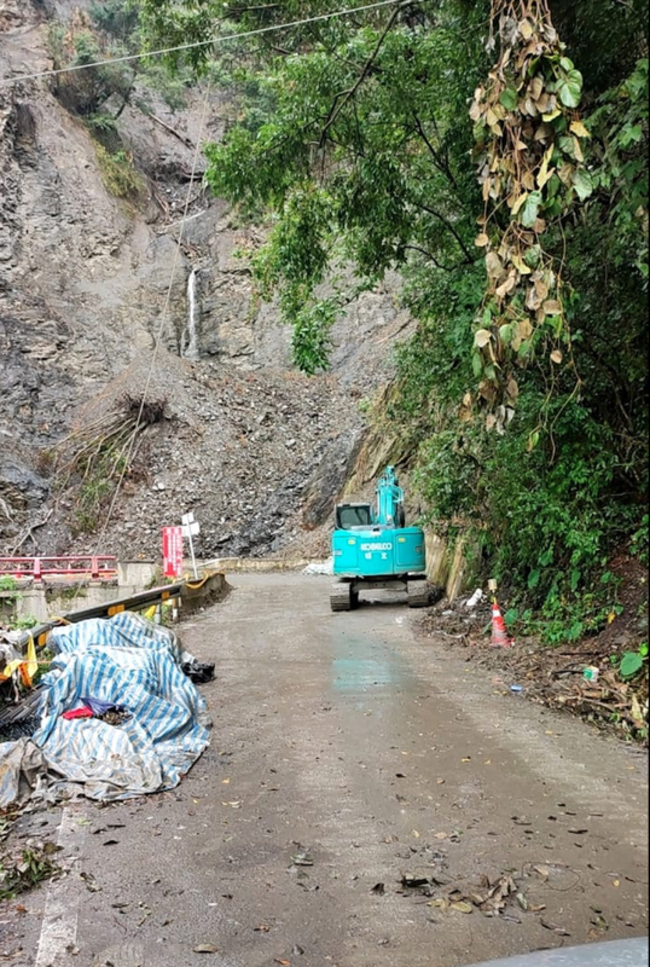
184	140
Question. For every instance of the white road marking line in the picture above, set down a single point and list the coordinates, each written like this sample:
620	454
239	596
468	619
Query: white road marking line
59	927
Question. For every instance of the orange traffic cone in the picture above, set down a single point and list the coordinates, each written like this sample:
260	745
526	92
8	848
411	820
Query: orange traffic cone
500	637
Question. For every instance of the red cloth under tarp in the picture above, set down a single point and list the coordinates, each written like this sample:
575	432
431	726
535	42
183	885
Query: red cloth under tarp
78	713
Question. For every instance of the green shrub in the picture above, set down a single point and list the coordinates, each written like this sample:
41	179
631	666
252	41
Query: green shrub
119	174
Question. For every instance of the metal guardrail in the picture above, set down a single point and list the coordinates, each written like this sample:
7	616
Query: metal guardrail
189	591
73	566
135	602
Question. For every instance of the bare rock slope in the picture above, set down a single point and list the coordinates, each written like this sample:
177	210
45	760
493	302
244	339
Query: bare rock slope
100	297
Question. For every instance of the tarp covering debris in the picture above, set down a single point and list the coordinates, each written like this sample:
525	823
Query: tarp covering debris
22	769
128	662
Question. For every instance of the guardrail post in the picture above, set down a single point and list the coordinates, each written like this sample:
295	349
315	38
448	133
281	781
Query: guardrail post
94	567
38	571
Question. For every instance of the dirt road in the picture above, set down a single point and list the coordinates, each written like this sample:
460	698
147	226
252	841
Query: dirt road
347	755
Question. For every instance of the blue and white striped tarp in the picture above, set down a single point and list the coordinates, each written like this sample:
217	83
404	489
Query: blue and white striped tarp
133	663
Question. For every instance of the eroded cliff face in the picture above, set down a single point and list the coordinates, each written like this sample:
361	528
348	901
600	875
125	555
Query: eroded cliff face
90	283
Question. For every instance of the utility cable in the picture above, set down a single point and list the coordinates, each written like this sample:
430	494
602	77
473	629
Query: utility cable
6	81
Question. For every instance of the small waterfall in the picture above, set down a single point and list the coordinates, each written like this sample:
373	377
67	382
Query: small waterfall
190	340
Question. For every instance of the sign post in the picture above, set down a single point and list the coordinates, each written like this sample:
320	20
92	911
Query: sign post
190	528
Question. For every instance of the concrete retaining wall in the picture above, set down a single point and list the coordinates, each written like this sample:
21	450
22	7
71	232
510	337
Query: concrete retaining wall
447	568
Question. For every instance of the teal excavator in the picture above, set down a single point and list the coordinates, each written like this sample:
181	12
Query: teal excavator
372	548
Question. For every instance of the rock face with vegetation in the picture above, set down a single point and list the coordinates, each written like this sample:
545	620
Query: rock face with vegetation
491	156
95	179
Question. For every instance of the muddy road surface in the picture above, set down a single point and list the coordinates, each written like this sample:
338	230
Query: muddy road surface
368	800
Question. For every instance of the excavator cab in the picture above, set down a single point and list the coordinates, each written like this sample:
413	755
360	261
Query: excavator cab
353	515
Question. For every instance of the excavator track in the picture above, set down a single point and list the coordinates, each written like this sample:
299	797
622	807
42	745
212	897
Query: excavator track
341	597
417	594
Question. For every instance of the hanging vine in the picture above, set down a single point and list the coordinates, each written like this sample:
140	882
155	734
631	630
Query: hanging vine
529	153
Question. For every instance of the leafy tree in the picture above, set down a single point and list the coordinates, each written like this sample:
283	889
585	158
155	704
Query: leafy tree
362	155
118	18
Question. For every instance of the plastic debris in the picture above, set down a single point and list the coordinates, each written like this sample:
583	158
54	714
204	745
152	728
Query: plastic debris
475	599
25	666
302	858
320	567
199	672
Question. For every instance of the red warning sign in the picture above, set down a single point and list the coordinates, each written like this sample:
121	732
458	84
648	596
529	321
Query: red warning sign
172	538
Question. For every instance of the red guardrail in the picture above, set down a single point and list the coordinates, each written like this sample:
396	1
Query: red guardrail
73	566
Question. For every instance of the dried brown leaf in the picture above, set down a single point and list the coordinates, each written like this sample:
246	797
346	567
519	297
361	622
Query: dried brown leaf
512	388
552	307
493	265
519	202
462	906
506	287
577	127
525	29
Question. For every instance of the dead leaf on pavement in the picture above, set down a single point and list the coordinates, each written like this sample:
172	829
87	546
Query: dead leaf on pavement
462	906
551	926
205	948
